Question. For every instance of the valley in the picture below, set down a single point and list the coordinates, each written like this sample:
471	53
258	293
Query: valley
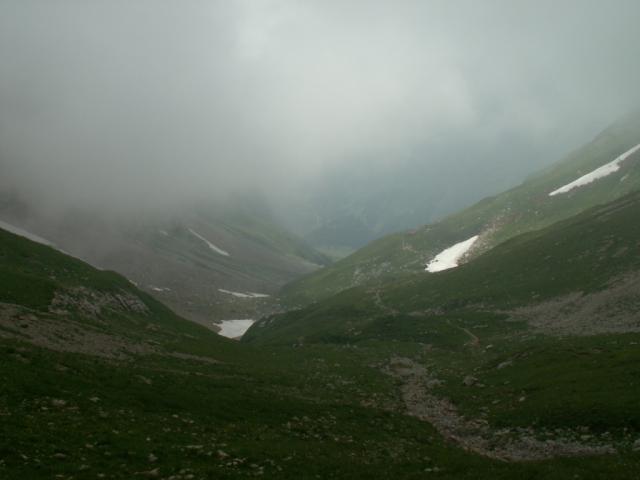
496	219
174	258
517	360
319	240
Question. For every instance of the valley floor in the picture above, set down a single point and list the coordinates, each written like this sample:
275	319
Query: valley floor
376	410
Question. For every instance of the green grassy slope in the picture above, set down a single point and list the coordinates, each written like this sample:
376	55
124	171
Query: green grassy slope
99	380
38	281
262	257
539	334
525	208
582	254
163	256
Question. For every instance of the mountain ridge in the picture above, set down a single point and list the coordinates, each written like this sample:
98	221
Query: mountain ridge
525	207
187	259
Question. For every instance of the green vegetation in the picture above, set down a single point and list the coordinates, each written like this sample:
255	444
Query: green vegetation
583	254
191	403
521	363
167	259
522	209
538	335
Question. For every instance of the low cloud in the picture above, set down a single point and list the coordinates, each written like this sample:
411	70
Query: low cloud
153	103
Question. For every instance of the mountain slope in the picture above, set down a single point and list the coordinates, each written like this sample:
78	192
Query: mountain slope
594	252
101	381
187	259
525	350
524	208
60	302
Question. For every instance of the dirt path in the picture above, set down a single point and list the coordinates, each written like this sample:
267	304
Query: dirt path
382	306
474	340
407	247
475	435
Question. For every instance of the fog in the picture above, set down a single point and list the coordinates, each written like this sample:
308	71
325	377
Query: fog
143	104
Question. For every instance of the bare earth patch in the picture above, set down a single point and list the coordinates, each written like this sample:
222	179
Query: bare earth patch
475	435
613	310
63	334
92	303
195	358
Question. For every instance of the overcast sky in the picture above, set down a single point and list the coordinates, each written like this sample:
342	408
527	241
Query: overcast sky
120	102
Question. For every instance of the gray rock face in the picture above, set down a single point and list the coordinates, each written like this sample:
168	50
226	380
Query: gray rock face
93	303
469	380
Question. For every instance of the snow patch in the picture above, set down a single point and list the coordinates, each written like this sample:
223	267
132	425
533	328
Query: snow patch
235	328
596	174
209	244
23	233
449	257
159	289
243	295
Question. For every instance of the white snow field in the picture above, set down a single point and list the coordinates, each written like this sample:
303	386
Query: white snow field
160	289
244	295
596	174
209	244
23	233
449	258
235	328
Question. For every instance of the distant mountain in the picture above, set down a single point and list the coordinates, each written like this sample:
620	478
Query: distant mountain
575	277
603	170
348	232
194	260
374	193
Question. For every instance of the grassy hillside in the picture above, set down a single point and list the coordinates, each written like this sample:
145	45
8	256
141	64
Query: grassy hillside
535	339
101	381
178	266
171	256
525	208
593	252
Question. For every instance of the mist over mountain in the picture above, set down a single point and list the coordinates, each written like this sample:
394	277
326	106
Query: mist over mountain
332	239
321	106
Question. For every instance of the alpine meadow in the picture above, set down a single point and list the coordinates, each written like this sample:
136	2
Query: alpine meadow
305	239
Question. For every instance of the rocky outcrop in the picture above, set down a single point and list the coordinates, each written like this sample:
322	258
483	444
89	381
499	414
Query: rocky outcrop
476	435
93	303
